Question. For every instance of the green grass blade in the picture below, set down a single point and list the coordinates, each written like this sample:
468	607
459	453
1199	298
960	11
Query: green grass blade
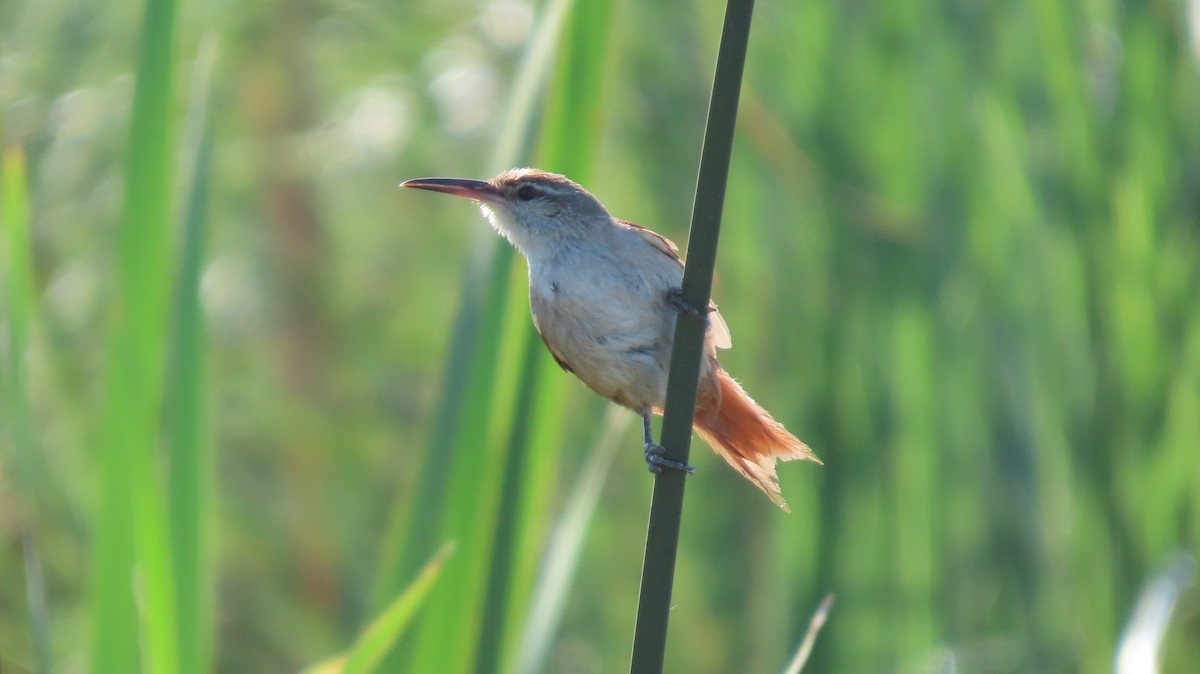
796	665
191	464
131	528
17	278
1141	645
576	106
507	529
39	613
16	282
459	498
568	142
447	637
387	628
415	520
535	69
566	546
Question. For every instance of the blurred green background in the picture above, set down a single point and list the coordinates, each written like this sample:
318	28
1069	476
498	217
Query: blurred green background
252	383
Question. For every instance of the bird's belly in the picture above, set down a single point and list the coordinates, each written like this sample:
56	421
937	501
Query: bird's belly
619	346
630	372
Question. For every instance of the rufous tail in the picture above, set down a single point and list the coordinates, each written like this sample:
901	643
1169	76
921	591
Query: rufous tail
745	434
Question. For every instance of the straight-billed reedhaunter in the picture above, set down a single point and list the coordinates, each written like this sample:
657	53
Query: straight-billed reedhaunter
604	295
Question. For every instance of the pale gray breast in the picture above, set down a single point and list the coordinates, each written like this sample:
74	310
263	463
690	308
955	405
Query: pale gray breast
600	307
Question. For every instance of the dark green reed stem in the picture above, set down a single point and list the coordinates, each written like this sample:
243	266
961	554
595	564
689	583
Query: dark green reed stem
666	508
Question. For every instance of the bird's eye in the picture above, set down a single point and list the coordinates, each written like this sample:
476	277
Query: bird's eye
527	192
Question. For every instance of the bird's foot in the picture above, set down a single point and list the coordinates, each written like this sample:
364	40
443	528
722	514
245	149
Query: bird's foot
656	461
678	303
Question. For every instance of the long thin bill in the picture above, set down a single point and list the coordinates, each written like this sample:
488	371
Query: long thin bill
460	187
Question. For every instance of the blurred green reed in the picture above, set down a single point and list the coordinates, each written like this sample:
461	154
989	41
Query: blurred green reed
191	460
567	142
496	450
16	283
564	547
378	638
131	531
666	505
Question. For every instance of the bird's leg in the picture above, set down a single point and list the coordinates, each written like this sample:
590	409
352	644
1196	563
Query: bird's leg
675	299
655	461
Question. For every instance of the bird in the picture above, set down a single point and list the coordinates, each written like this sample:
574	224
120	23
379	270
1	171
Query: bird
605	294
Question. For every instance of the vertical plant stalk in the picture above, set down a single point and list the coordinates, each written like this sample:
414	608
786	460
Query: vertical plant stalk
192	465
414	521
16	279
496	599
568	140
666	508
132	542
810	637
565	547
450	495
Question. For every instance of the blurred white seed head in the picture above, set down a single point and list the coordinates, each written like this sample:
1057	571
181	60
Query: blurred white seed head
506	23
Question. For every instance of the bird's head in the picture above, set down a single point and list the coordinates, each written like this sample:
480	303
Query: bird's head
533	209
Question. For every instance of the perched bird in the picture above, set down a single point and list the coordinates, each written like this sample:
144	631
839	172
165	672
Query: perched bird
605	294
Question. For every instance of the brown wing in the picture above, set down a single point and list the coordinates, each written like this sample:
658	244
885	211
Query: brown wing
550	347
721	338
655	239
561	363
